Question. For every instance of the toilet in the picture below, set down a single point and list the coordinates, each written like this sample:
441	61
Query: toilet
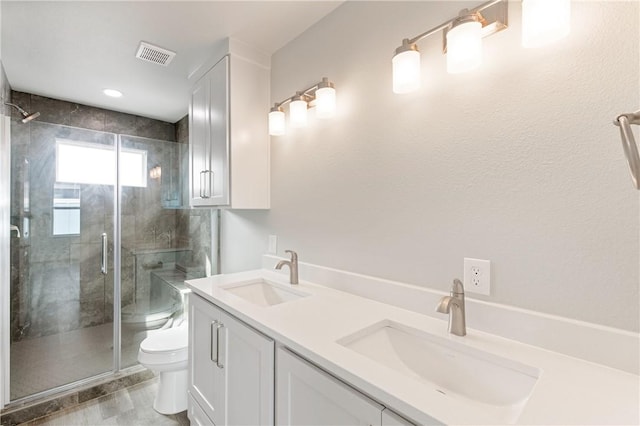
144	316
165	351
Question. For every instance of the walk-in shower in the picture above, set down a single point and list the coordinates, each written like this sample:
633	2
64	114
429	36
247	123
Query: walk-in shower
103	248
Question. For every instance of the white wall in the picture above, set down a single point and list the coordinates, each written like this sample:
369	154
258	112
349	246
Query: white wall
517	162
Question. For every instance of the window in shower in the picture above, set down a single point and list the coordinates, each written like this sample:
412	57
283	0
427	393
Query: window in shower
66	209
92	163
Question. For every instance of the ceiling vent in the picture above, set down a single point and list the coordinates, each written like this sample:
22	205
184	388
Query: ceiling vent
157	55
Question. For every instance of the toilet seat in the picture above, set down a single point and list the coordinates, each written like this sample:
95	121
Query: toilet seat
146	316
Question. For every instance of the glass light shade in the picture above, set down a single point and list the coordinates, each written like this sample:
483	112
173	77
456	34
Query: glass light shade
298	113
545	21
406	71
112	93
325	102
276	123
464	47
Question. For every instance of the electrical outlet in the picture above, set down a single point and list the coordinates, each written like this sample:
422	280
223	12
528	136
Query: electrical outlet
477	276
273	244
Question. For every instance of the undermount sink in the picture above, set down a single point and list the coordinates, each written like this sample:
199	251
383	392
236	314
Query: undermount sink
262	292
449	367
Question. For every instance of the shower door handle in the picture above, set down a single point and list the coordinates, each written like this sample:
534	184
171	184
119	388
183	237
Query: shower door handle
15	228
103	266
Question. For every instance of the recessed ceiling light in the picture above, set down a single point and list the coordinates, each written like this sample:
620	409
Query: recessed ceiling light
112	92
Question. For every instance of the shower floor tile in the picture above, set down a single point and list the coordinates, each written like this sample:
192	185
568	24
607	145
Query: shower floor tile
47	362
130	406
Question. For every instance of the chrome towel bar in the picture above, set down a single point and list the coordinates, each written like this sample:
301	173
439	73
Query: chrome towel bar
624	121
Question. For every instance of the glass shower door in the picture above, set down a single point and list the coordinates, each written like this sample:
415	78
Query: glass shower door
62	280
156	249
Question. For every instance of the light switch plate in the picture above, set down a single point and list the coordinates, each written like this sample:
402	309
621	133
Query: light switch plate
273	244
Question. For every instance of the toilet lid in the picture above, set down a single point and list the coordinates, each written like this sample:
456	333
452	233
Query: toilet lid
171	339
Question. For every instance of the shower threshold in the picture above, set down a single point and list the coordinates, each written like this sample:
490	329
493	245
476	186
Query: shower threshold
70	395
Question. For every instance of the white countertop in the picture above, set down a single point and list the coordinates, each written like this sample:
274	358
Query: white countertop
568	391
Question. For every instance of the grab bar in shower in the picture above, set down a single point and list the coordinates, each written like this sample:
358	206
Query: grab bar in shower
624	121
103	266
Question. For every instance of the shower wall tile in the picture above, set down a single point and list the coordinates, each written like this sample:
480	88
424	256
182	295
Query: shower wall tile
92	203
56	111
51	110
51	249
90	261
182	130
54	298
91	233
127	276
120	123
20	174
155	129
87	117
92	312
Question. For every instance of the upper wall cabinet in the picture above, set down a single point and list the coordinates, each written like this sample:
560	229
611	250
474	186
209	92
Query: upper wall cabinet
229	137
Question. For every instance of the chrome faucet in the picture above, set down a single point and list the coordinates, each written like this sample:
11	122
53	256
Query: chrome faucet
292	264
454	306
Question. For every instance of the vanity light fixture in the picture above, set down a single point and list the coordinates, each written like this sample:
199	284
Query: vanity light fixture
112	93
545	21
276	121
298	111
462	42
325	100
321	95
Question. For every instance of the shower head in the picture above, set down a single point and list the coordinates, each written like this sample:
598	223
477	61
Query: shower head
26	117
30	117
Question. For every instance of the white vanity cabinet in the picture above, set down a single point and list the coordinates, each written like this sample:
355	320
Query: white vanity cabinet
229	137
231	369
306	395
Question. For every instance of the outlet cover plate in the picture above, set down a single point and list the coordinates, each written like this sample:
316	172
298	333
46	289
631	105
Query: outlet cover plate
477	276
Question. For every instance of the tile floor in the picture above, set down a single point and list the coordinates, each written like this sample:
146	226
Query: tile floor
47	362
132	406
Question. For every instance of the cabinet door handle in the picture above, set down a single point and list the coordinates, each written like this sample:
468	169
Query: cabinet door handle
203	177
103	266
222	343
210	183
214	340
206	183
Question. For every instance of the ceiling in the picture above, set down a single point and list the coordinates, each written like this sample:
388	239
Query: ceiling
71	50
